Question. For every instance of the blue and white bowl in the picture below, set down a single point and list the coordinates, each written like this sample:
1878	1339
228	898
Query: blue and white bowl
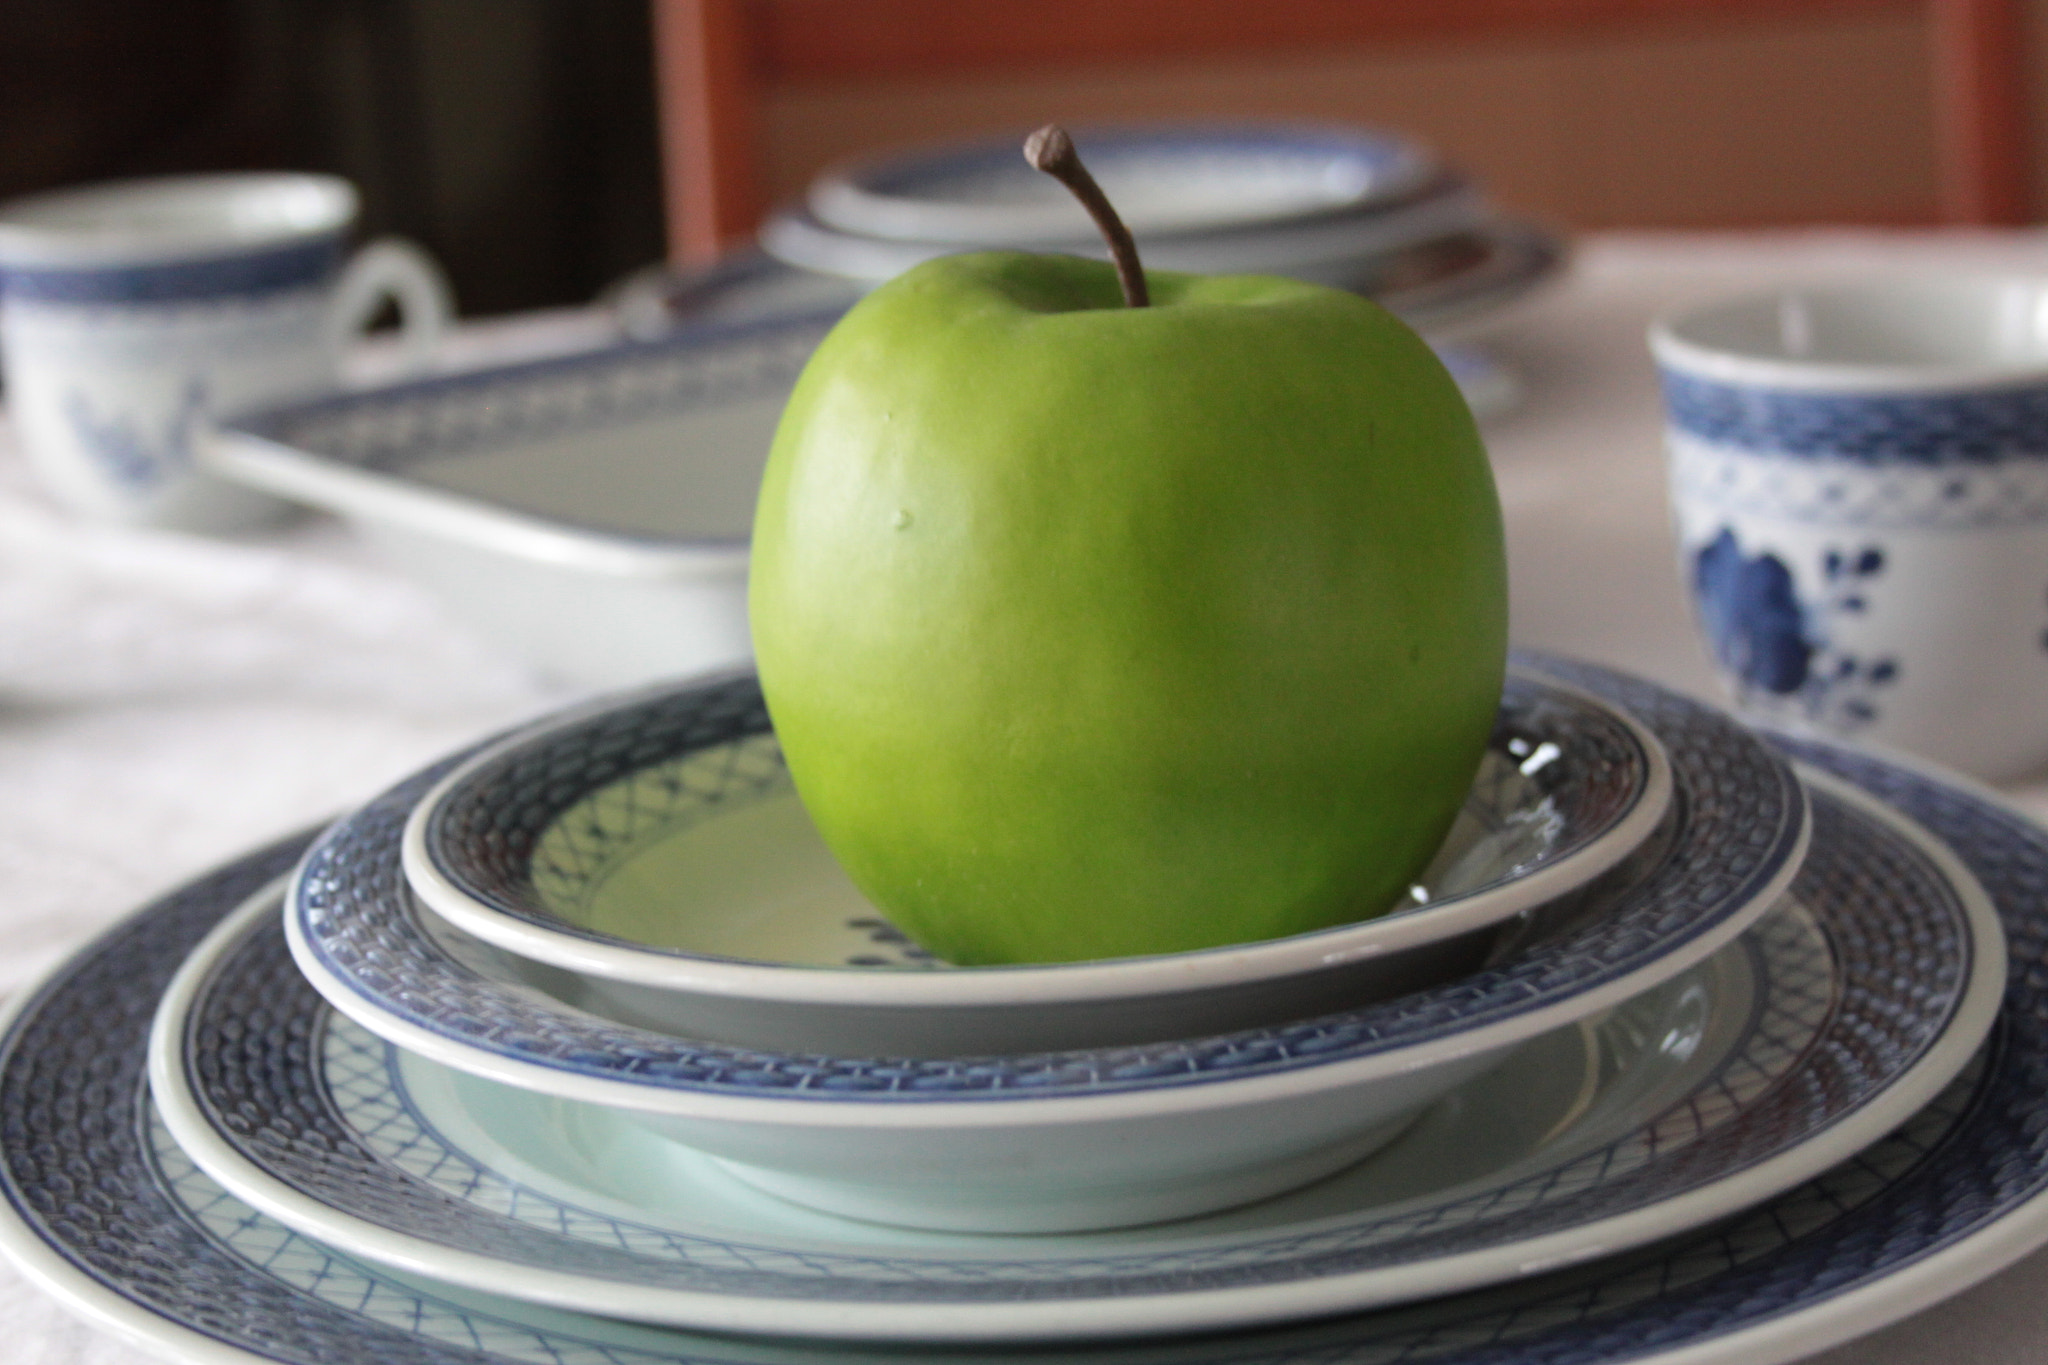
1073	1139
653	849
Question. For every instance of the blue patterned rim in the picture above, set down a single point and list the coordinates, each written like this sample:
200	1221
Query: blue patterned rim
1968	428
1738	822
395	429
1826	1037
246	274
107	1212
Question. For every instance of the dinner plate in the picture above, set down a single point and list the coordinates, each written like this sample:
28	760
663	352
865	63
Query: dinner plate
1162	179
106	1212
1788	1051
1313	248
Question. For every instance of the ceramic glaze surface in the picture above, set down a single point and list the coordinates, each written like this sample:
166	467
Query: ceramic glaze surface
1787	1034
366	942
580	439
590	512
104	1210
1161	180
1860	478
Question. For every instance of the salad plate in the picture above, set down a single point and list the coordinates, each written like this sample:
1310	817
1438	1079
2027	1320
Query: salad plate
105	1211
1164	179
1785	1053
653	848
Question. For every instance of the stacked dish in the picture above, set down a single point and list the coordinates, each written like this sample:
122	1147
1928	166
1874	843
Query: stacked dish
1357	209
1352	208
576	1047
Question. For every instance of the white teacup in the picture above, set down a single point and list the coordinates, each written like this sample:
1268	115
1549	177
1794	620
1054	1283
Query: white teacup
1859	474
133	314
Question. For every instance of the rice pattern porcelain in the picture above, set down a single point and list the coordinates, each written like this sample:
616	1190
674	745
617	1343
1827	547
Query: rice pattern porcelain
1072	1139
588	512
104	1211
653	847
1819	1030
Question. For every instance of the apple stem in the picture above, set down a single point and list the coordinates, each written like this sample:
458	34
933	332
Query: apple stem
1052	151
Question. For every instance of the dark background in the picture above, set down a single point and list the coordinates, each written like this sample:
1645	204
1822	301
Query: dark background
515	139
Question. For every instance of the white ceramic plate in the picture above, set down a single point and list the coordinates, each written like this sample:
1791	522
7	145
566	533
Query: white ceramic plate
1314	248
1787	1052
104	1211
1162	179
589	512
687	891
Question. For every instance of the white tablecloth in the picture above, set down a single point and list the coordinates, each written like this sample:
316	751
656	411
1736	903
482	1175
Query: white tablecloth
167	702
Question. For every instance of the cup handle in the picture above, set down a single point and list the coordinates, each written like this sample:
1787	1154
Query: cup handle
392	268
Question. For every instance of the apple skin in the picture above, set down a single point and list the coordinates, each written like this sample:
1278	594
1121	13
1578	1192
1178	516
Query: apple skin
1092	631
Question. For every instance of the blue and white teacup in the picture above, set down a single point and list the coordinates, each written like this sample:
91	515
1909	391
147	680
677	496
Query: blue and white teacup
133	314
1859	474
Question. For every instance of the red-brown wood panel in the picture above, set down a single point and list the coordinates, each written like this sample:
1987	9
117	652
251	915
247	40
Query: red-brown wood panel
717	56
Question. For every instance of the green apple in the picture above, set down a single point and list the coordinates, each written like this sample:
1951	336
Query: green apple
1092	630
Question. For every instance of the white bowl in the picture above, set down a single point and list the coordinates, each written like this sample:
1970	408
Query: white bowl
1081	1138
653	848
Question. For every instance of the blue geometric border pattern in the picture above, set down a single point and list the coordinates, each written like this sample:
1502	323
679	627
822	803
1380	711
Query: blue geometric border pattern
396	429
1831	1015
1738	816
298	265
1978	427
533	832
76	1168
1824	492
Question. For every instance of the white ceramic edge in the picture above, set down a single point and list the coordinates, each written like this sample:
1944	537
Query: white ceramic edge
360	493
802	1109
197	1138
1798	376
1970	1260
55	1274
966	1322
26	244
114	1313
1237	1307
838	199
1832	1321
798	239
1021	986
1909	1092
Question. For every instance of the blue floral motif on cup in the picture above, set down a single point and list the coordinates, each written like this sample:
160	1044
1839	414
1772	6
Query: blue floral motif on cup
1752	616
132	457
1772	641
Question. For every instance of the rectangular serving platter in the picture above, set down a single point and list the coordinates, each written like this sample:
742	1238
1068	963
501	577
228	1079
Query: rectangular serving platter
590	513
